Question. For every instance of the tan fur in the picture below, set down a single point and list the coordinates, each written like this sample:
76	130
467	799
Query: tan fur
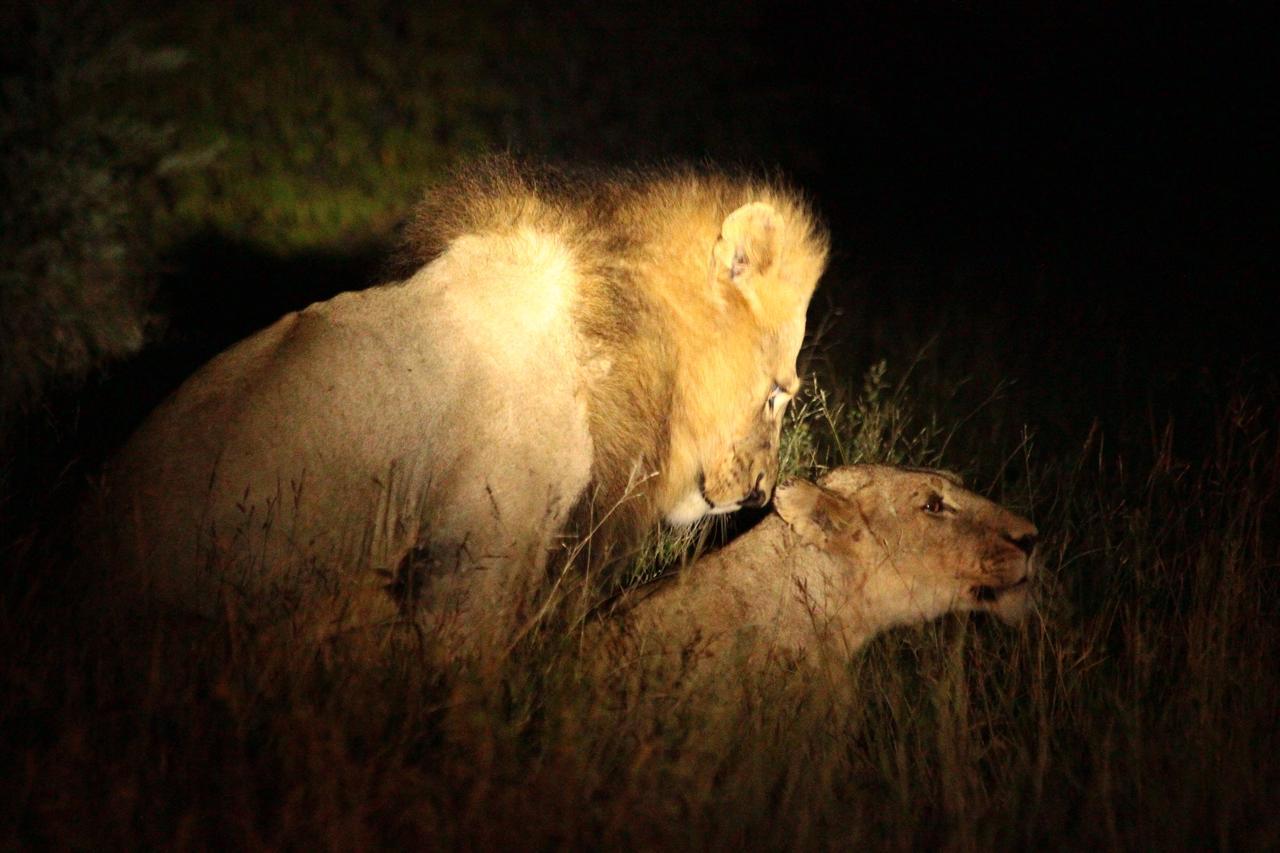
570	355
837	564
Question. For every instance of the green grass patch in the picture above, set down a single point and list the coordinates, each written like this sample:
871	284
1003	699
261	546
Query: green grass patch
317	126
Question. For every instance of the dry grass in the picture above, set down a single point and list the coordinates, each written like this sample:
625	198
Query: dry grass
1136	710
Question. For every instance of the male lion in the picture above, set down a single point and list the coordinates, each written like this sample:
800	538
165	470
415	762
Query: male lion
869	548
574	358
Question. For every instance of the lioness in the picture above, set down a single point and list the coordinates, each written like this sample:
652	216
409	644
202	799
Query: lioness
575	357
868	548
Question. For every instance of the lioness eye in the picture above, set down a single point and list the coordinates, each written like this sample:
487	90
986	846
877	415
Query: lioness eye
934	503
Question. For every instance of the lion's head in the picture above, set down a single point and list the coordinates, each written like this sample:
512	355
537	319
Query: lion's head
913	544
739	374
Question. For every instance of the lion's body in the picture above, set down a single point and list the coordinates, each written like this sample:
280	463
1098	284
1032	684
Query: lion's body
565	360
835	566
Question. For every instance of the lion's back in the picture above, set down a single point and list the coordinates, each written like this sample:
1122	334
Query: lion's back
445	408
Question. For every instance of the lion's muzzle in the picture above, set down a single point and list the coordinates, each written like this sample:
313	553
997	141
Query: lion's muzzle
758	496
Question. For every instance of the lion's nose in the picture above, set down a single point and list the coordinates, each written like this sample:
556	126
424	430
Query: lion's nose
1026	543
757	496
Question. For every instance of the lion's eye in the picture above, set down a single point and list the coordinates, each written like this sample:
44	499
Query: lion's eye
777	397
934	503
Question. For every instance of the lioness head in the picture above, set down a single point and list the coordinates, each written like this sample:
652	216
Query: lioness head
915	543
740	373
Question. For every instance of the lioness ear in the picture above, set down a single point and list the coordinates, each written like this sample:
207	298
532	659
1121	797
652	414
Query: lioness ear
807	509
746	248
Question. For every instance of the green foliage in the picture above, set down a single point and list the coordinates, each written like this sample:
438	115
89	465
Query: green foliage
270	125
319	125
880	425
79	180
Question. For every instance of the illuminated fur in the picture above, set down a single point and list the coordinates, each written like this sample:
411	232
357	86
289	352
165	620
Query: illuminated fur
570	355
870	548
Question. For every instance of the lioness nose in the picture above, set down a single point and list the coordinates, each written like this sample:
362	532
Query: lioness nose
1026	543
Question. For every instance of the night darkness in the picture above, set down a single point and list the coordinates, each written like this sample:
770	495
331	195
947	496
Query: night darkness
1053	223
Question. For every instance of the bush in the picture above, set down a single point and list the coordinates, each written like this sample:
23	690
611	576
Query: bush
81	186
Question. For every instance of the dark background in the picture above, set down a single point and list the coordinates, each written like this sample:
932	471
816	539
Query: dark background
1082	184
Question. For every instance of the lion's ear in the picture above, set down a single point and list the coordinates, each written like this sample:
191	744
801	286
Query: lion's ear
747	248
808	509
